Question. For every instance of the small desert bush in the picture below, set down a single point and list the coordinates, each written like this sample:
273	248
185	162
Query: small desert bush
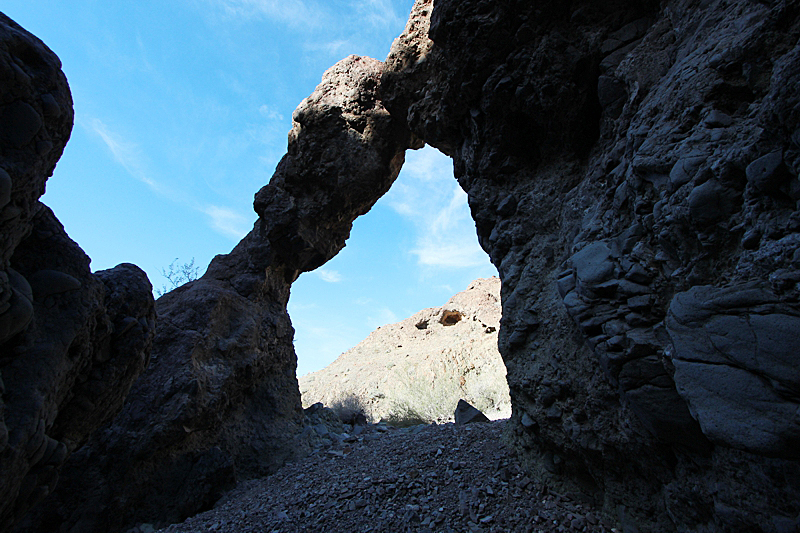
177	275
423	401
349	407
403	415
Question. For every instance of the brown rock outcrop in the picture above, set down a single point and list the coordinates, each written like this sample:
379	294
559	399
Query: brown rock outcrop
419	368
632	168
71	342
220	399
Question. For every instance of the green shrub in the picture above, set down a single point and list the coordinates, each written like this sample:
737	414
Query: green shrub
177	275
422	400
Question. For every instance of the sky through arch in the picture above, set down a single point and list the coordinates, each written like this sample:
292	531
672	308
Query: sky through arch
414	249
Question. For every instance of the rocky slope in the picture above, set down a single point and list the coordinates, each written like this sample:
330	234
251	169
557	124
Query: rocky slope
424	478
419	368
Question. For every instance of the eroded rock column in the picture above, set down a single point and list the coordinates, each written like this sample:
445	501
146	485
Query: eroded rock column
220	400
632	171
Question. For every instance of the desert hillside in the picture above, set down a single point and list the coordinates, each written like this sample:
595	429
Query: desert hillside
417	369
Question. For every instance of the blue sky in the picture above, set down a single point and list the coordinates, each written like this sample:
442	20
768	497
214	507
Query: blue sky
182	108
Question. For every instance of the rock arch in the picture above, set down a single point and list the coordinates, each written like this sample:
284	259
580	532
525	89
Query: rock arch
591	140
223	363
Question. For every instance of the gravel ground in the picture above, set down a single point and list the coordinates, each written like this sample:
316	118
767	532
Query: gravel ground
436	478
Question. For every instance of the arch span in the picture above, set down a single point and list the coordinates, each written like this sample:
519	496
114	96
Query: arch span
220	399
594	228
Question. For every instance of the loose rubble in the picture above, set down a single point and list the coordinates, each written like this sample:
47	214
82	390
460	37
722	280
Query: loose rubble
442	478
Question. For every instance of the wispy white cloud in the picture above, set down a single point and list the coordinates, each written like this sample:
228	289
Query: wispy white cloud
428	164
270	112
126	153
143	53
428	195
331	276
227	221
130	156
337	48
435	253
296	13
295	307
314	14
378	13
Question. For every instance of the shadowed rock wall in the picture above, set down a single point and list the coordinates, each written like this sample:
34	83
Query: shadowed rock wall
71	342
632	171
220	400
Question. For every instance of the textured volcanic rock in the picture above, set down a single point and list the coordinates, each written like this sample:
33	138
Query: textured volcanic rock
442	478
71	342
632	171
422	366
220	400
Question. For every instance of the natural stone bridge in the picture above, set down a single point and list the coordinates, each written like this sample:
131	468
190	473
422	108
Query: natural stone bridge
632	171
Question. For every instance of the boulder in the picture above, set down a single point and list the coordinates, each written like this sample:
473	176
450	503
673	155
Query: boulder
766	173
735	361
467	414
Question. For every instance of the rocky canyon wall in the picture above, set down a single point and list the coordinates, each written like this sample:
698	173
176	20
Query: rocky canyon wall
632	171
71	342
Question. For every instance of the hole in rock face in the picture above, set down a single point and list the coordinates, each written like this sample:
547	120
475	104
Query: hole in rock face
450	318
388	293
414	250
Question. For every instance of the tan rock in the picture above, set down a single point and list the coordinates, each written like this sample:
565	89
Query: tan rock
418	369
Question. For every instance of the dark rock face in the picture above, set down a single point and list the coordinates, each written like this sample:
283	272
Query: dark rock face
468	414
743	340
71	342
220	400
632	168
